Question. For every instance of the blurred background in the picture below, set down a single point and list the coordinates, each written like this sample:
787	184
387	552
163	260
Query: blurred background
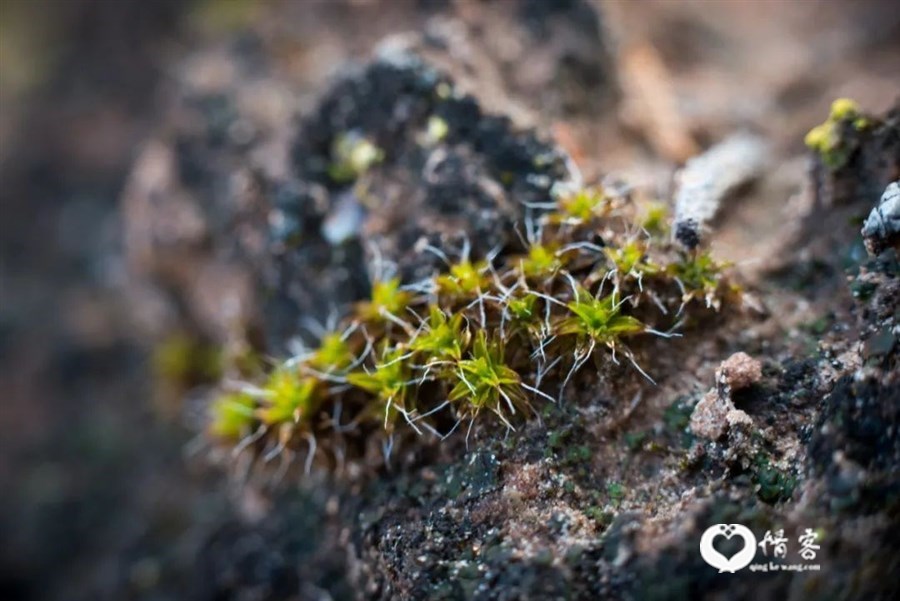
97	497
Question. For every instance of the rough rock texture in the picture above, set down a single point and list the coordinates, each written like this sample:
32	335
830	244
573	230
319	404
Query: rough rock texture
710	416
715	413
739	371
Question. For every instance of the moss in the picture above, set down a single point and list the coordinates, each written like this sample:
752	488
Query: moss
479	338
289	397
700	276
184	360
388	300
630	260
616	492
598	320
583	205
655	219
465	279
820	325
232	416
600	516
843	108
352	156
862	290
524	309
436	129
388	382
556	439
542	261
577	455
484	381
772	485
333	355
443	338
827	139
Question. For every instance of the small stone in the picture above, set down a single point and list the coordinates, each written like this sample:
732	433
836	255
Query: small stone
880	344
695	454
687	231
736	418
709	419
739	371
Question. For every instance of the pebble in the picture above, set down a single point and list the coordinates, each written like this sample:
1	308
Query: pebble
882	228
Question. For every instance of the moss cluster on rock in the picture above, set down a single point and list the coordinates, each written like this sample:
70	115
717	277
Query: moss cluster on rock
496	336
827	139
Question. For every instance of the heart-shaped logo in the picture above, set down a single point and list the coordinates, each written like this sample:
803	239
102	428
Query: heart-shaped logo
739	560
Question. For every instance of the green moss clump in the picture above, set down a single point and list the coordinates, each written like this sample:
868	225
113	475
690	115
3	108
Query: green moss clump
333	355
598	320
232	416
442	338
389	383
465	279
436	130
388	300
482	338
700	277
583	205
289	398
827	139
485	381
677	418
655	219
542	261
